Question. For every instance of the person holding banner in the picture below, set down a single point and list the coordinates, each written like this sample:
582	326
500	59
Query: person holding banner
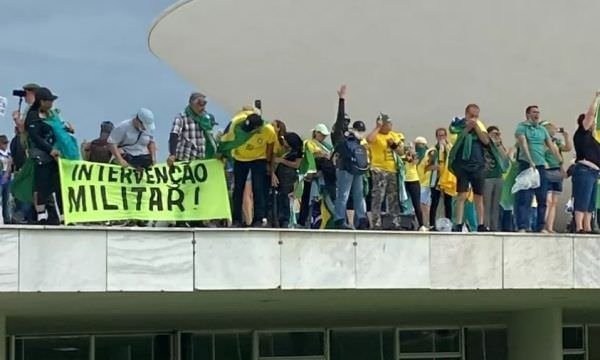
49	138
131	142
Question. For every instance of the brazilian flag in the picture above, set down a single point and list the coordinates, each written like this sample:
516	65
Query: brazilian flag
235	135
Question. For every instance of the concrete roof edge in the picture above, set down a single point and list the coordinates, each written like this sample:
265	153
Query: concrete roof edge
164	14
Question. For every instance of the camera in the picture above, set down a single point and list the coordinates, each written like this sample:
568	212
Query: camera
561	130
19	93
258	104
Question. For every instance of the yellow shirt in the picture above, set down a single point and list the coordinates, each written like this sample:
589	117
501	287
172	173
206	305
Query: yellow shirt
256	147
411	171
381	154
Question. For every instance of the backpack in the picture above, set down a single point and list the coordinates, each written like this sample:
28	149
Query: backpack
357	157
99	151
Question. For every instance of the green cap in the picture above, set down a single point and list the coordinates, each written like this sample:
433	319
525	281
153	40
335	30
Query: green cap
384	118
31	87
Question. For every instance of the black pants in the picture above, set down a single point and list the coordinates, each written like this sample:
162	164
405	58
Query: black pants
435	201
258	168
413	188
287	179
305	204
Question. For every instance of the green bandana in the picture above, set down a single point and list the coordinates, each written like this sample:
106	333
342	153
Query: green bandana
206	123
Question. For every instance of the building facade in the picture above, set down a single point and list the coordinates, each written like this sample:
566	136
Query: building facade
81	293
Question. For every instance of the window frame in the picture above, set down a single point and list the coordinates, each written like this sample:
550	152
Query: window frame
431	355
256	344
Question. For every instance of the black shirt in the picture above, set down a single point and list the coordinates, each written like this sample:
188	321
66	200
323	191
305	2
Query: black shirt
17	150
41	136
477	159
586	146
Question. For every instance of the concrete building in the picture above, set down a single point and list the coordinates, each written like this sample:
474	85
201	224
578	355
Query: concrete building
223	294
82	293
421	61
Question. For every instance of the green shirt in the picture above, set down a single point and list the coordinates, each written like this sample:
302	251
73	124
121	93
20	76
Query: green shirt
493	168
551	160
536	136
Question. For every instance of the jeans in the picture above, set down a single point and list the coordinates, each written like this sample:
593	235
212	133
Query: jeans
524	198
6	216
346	183
258	169
492	190
507	220
584	188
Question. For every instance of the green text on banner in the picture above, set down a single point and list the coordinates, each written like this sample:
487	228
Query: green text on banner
102	192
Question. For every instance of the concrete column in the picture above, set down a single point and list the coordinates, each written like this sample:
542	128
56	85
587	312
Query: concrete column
3	342
535	334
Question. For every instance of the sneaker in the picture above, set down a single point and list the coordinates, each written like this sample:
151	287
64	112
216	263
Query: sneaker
423	229
363	224
42	217
261	224
457	228
341	225
483	228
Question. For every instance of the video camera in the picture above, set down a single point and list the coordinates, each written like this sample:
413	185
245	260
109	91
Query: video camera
19	93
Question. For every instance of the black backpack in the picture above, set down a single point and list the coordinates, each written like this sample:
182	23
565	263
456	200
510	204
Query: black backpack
356	156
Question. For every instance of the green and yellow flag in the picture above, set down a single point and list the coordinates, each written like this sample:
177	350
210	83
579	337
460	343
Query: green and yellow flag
234	135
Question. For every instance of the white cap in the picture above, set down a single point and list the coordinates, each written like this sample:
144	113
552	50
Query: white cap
321	128
147	118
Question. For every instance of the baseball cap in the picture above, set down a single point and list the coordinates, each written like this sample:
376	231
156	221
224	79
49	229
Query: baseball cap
385	118
420	140
321	128
31	87
44	94
359	126
147	118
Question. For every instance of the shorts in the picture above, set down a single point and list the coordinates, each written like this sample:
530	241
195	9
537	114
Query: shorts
474	177
555	186
426	195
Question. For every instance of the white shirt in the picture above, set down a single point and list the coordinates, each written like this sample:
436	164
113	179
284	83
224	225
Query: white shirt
5	159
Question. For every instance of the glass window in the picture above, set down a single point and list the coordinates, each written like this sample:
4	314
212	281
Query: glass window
58	348
474	349
196	347
291	344
594	342
361	344
233	347
447	341
573	338
416	341
574	357
496	344
437	341
141	347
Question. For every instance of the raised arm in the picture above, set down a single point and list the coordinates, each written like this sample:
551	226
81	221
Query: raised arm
338	128
590	116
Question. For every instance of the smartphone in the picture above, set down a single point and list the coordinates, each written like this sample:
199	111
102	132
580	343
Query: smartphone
258	104
561	130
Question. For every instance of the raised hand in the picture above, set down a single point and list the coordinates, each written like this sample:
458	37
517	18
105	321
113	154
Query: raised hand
342	92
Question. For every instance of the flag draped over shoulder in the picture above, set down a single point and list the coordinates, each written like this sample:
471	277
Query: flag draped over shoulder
234	136
206	122
65	142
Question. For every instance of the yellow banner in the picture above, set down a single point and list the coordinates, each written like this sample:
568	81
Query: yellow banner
188	191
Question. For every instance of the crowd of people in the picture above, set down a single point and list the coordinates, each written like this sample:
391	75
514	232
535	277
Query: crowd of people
354	175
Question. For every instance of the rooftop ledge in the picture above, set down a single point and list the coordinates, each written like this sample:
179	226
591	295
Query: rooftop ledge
99	259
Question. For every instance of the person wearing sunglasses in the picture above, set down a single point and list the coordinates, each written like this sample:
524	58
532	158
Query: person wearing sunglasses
191	135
